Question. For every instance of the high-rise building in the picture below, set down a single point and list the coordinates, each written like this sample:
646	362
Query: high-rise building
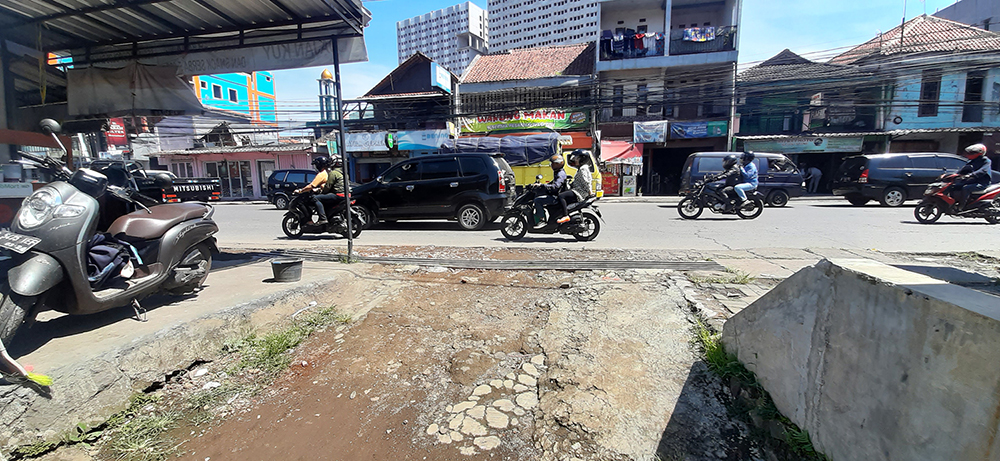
451	36
984	14
251	94
531	23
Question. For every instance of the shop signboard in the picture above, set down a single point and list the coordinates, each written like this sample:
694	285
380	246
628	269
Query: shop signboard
609	183
116	132
365	142
440	77
688	130
421	139
555	119
629	185
805	145
644	132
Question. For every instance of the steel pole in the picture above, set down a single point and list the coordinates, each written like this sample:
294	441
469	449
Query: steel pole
342	147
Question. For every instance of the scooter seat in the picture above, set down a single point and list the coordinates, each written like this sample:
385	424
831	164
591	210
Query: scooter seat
147	226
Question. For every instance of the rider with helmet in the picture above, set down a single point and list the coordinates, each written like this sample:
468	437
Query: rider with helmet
732	174
582	186
329	181
975	175
549	193
748	176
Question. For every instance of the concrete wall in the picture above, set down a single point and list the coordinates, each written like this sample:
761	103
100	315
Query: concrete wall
878	363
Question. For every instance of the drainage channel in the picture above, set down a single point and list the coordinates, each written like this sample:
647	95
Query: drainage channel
521	264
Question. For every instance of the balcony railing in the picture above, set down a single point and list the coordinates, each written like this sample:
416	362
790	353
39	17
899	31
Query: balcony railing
702	40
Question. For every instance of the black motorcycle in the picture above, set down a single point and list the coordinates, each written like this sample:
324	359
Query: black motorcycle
584	223
706	195
298	219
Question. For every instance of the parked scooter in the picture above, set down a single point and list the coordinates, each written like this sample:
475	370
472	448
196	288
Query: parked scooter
937	202
706	195
49	238
584	223
298	219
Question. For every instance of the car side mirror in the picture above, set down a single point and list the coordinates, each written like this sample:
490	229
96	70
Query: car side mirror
380	179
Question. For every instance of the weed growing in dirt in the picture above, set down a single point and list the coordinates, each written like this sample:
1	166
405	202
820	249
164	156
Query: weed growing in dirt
137	433
733	276
36	449
751	402
267	354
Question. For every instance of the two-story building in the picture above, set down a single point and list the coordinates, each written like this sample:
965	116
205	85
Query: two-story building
666	71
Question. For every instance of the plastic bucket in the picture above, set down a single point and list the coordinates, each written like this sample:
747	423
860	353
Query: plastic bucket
286	270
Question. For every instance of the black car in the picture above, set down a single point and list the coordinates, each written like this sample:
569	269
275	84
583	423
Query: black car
281	183
777	177
893	178
473	189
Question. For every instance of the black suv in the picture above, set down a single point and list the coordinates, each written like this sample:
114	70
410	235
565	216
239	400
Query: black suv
471	188
892	178
281	183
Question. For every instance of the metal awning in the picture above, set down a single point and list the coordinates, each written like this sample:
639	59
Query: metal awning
893	133
94	31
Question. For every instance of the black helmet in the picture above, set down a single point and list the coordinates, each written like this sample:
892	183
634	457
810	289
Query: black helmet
747	157
578	157
729	161
321	162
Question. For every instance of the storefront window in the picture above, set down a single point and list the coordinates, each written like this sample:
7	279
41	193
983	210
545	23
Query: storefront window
236	176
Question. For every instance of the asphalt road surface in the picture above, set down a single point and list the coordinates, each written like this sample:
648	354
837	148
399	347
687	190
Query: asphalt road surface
655	224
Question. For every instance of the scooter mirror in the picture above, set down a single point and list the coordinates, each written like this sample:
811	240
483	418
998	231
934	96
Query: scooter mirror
49	126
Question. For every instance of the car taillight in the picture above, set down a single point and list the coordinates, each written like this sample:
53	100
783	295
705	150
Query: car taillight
864	176
503	182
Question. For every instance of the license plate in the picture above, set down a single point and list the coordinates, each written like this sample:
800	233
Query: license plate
17	242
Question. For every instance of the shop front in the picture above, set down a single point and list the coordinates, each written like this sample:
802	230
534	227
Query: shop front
825	153
667	145
622	167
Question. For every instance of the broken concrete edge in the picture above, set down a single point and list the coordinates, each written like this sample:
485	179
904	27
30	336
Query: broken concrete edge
855	341
92	391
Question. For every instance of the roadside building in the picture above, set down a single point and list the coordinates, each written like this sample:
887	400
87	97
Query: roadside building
535	23
984	14
816	113
666	74
406	114
248	93
452	36
942	84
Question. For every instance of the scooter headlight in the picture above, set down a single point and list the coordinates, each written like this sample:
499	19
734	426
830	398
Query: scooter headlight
38	207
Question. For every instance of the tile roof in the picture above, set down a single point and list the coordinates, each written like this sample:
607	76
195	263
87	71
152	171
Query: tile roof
532	63
920	35
788	66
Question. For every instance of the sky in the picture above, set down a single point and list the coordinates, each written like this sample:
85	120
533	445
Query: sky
814	29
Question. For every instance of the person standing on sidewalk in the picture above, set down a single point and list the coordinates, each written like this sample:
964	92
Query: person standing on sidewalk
812	176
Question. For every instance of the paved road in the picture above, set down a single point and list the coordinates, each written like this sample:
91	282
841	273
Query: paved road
816	223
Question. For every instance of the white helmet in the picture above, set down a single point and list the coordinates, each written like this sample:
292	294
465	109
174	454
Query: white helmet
975	150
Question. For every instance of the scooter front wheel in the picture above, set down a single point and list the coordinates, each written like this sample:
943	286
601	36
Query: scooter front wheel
292	226
13	310
689	208
513	226
928	212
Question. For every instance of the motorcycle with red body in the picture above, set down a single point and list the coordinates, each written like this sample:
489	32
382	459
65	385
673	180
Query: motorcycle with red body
938	202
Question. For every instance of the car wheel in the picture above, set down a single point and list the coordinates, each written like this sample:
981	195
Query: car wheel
857	200
370	219
892	197
281	202
513	226
471	216
778	198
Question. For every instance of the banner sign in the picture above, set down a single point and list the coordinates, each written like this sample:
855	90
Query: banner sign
643	132
687	130
440	77
421	139
527	119
116	132
267	57
797	145
365	142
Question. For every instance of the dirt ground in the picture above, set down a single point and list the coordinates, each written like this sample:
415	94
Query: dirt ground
470	364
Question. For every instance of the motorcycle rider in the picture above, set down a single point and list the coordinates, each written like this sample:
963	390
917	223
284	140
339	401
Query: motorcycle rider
732	175
329	181
975	175
582	186
748	176
549	193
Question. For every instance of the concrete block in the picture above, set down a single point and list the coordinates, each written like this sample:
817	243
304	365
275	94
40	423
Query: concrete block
876	362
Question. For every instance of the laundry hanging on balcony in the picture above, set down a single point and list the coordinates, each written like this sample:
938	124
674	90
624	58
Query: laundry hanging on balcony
699	34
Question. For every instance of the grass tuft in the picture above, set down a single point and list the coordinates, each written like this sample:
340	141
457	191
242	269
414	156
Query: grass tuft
267	354
732	276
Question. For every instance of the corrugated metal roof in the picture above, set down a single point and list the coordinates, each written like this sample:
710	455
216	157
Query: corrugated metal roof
923	34
532	63
127	28
870	133
301	147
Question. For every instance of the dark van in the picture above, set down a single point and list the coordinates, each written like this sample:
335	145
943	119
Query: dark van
778	178
473	189
892	178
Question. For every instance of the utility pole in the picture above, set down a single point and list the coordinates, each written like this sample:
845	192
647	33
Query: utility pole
343	148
